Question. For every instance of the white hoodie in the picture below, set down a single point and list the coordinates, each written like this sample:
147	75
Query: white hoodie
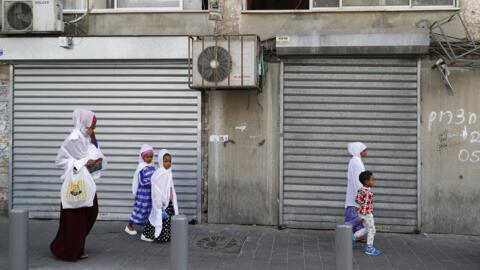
355	167
162	182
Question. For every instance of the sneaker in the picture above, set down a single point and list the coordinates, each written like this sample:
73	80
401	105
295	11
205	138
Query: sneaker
127	230
145	238
372	251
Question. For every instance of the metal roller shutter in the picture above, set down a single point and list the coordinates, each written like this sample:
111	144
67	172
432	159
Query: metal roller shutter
135	103
330	102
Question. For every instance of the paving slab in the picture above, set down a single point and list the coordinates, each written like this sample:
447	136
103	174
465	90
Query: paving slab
261	248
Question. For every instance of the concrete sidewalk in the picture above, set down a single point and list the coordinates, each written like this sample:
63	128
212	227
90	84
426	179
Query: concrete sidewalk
248	247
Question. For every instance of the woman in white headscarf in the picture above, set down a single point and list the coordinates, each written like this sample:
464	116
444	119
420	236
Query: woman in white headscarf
164	200
358	151
79	149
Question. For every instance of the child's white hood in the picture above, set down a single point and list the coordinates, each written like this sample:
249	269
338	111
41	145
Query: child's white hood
356	148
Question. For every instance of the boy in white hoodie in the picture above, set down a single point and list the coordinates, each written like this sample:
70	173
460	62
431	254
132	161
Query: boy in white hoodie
358	151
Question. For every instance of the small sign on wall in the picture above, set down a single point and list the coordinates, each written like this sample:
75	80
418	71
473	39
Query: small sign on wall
382	228
283	41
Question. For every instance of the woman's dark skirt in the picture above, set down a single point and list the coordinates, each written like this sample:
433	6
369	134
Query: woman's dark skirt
75	224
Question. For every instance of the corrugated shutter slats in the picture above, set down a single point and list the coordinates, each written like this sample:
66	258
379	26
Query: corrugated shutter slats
330	102
135	103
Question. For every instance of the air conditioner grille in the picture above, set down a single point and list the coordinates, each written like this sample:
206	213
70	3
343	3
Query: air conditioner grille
19	16
214	64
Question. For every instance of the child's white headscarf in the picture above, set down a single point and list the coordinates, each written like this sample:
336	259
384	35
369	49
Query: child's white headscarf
162	181
77	148
356	148
355	167
141	165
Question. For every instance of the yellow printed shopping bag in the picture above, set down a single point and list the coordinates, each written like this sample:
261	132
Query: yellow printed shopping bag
78	189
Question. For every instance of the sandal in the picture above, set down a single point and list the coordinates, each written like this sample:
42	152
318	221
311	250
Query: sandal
84	256
130	232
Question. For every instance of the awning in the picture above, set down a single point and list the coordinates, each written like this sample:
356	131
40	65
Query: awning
351	42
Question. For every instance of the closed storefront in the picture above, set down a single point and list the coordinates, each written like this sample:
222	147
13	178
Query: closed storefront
329	102
135	103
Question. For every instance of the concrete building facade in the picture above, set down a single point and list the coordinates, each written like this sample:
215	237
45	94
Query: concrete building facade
245	165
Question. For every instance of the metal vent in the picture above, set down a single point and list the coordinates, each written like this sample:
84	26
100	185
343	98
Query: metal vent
19	16
224	62
214	64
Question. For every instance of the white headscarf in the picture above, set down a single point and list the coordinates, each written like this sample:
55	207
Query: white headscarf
162	182
82	120
356	148
141	165
77	148
355	167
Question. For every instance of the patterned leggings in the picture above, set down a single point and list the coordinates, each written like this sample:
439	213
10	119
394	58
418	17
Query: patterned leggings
369	229
149	231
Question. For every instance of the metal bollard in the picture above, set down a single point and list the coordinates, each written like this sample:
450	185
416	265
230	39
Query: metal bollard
343	247
18	240
179	248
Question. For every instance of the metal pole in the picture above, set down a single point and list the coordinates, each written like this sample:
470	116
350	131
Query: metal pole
343	247
281	165
179	247
18	240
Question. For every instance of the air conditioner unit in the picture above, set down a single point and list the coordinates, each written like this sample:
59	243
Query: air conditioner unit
224	62
36	16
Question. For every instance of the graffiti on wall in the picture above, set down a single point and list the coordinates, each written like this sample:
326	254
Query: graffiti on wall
461	128
458	117
4	124
4	129
4	149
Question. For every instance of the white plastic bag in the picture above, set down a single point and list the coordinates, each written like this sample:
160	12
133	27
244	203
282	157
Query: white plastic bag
93	152
78	189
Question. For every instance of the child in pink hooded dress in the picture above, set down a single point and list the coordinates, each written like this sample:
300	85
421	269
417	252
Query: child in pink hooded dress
142	189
